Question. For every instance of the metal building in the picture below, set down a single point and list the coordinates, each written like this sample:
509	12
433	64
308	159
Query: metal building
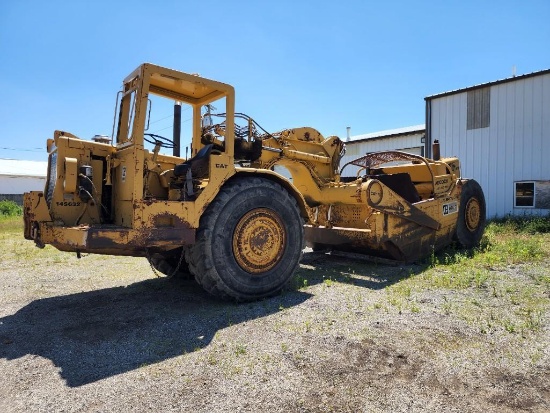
500	131
17	177
409	139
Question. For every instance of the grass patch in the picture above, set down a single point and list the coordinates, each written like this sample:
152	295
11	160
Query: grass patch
505	242
503	285
23	252
23	255
10	225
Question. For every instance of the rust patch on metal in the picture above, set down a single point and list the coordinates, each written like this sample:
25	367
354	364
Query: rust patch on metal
124	241
472	214
169	220
409	243
259	240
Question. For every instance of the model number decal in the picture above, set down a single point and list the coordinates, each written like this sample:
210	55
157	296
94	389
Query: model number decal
66	203
450	208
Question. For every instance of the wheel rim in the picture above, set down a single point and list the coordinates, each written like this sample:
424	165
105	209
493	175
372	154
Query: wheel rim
473	214
259	240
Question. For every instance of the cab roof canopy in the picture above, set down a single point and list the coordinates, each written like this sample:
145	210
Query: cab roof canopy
184	87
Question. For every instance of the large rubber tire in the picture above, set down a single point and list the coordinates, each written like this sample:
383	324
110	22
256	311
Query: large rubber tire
171	264
249	242
471	215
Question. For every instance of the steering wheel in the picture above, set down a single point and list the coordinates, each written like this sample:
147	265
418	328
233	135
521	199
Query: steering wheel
159	140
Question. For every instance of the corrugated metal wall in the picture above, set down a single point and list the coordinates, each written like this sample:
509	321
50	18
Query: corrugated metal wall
21	184
515	146
17	198
410	143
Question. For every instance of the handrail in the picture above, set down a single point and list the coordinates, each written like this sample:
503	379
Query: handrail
374	159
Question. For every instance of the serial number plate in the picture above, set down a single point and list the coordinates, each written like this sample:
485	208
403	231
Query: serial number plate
68	203
450	208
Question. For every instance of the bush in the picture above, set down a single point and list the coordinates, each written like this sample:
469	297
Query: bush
538	225
10	209
526	224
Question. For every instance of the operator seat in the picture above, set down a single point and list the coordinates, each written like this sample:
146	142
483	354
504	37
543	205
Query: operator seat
198	165
190	171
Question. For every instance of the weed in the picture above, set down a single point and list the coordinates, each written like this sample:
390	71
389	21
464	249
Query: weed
509	326
395	301
240	349
542	279
476	302
515	299
532	318
211	359
299	282
433	260
329	282
480	278
403	289
446	306
415	308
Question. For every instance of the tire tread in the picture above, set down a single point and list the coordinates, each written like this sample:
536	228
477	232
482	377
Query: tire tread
199	256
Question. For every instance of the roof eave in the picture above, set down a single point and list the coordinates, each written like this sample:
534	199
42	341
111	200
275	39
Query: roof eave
482	85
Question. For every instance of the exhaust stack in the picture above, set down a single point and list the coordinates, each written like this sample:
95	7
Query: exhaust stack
177	129
436	151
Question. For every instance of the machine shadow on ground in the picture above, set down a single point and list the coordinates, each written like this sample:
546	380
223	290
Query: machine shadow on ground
98	334
370	272
362	271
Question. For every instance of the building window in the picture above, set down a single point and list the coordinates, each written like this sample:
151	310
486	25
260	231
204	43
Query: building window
524	195
479	108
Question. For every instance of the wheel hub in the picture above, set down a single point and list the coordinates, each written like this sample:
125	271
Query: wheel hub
473	214
259	240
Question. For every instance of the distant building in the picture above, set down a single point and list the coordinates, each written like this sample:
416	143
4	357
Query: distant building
409	139
17	177
500	131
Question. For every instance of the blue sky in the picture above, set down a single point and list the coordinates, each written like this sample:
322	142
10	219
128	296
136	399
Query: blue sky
326	64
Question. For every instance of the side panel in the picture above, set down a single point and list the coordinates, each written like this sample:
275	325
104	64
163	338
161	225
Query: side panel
128	175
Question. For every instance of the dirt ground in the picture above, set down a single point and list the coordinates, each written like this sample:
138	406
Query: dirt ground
103	334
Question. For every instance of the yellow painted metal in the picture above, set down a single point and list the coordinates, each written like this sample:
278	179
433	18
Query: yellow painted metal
35	211
139	203
71	174
139	208
473	214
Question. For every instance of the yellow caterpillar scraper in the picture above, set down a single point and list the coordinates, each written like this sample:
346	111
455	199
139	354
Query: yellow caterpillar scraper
223	213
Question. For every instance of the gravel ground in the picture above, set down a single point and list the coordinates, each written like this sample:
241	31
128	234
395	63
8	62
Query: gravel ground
102	334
